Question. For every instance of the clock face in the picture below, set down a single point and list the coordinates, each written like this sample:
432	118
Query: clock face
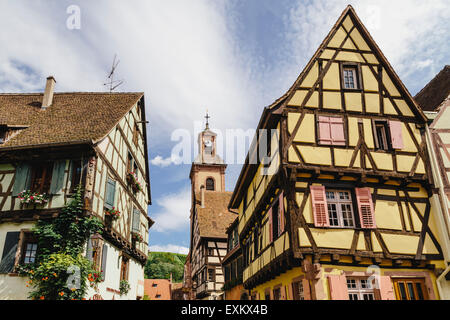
208	143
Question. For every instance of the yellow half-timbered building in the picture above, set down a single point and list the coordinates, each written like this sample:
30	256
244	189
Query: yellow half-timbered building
52	142
342	196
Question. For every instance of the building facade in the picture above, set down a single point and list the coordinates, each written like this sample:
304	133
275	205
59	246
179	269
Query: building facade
52	142
209	219
341	210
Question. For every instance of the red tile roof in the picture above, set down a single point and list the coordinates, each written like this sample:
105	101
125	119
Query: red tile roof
157	289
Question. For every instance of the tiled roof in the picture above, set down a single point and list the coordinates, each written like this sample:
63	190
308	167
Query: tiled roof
157	289
214	218
77	117
436	91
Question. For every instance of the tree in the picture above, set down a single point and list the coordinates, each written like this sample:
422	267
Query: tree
161	264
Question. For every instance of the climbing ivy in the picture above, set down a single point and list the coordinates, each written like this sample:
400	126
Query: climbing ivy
60	271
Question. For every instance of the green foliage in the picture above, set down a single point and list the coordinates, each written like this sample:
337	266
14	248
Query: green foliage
124	287
161	264
59	261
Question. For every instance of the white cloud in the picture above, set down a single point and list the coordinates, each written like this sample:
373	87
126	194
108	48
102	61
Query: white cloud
169	248
174	212
164	162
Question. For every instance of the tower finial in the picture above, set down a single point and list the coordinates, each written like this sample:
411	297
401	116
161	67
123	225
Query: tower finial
207	120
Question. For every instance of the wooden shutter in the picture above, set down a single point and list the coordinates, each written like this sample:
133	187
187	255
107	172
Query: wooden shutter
58	177
319	205
338	287
291	291
136	220
104	259
337	131
89	249
110	193
270	225
9	252
324	130
281	218
306	289
395	128
22	179
365	208
386	289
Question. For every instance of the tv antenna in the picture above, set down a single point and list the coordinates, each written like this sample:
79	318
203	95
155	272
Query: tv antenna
113	84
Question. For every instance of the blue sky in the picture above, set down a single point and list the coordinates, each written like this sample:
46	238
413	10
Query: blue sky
230	57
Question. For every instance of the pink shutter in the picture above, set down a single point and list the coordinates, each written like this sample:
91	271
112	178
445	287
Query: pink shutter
319	204
337	131
270	226
386	288
365	208
283	293
306	289
291	291
395	128
281	214
338	287
324	130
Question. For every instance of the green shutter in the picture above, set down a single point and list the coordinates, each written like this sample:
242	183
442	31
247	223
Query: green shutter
110	193
136	220
9	252
58	177
22	179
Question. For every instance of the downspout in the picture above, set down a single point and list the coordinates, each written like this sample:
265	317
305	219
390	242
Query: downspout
441	215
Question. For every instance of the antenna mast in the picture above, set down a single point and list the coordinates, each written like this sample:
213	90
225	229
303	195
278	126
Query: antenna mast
113	84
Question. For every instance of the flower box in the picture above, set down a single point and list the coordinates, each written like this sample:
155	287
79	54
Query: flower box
136	237
28	197
112	213
133	182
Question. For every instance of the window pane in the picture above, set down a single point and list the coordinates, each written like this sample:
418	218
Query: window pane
419	290
332	212
402	289
411	291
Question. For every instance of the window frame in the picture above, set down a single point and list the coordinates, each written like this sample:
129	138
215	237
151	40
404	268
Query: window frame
387	134
359	290
46	177
356	69
414	281
210	180
296	292
339	202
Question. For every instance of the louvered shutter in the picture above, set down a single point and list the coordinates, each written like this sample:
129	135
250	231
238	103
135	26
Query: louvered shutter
58	177
104	259
337	131
386	290
270	226
338	287
395	128
324	130
319	205
110	193
281	217
306	289
136	220
9	252
365	208
22	179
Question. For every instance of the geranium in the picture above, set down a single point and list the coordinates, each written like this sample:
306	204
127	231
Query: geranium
28	197
133	180
136	236
113	213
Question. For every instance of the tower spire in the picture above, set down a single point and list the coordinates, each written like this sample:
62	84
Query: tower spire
207	120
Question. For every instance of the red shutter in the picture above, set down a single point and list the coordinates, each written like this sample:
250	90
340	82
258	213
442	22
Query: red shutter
395	128
386	288
281	214
270	226
338	287
306	289
365	208
319	205
324	130
337	131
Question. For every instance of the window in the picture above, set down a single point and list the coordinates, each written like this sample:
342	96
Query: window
350	78
210	274
340	208
297	290
132	165
331	131
267	295
210	251
77	170
29	248
158	296
277	294
255	240
410	289
136	134
154	285
41	177
360	289
124	268
210	184
2	135
382	135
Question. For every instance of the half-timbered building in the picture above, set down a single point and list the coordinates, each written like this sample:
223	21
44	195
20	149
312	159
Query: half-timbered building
52	142
210	218
344	198
434	99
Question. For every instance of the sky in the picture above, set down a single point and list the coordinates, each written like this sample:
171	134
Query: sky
232	58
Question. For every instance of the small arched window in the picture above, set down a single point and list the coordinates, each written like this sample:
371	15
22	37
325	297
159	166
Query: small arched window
210	184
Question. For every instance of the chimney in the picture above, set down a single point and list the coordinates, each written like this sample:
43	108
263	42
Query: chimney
202	190
48	93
